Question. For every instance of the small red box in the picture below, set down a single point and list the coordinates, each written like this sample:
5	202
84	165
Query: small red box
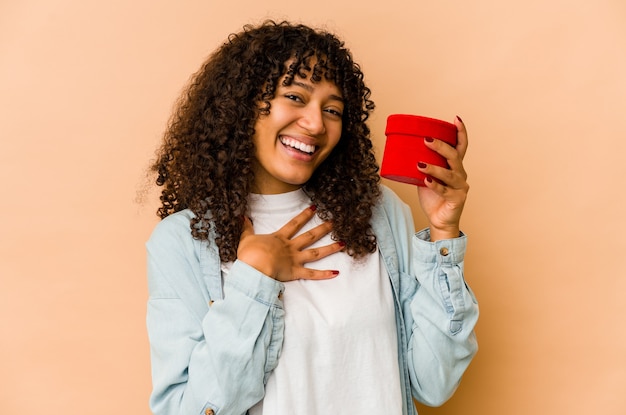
405	146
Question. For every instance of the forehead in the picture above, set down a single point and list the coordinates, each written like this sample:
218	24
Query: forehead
309	85
312	66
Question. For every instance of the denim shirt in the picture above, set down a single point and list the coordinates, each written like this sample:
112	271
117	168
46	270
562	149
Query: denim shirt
215	341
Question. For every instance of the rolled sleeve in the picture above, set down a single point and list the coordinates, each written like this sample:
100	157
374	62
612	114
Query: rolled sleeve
208	353
445	252
254	284
444	313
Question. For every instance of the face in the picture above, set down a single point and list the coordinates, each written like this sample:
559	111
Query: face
301	130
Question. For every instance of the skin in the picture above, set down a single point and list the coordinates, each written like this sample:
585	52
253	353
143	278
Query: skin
443	203
310	113
281	256
305	113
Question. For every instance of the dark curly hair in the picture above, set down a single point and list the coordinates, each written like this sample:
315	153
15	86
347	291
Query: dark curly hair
205	162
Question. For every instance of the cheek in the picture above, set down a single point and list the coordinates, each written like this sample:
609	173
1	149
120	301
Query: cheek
261	133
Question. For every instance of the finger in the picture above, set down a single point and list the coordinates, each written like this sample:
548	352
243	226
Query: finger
456	194
296	223
455	179
455	198
438	187
302	273
452	157
312	235
314	254
461	136
442	148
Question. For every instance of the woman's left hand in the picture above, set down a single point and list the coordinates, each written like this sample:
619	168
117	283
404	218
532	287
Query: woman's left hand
443	202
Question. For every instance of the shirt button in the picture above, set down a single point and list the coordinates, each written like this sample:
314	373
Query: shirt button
444	251
209	412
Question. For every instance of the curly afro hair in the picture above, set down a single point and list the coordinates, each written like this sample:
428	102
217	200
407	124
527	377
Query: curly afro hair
205	162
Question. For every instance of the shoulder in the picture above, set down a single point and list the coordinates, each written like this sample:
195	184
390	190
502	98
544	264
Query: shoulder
390	203
173	229
180	266
392	217
388	196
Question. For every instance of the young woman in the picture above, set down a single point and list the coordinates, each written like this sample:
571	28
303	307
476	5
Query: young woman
283	278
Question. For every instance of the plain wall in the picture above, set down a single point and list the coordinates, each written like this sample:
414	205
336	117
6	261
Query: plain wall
86	88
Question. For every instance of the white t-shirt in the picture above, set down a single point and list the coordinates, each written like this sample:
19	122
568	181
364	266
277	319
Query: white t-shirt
340	352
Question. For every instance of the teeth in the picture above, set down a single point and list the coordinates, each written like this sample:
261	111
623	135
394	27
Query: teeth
306	148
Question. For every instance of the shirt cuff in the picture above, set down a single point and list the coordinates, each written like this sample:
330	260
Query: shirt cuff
445	251
253	283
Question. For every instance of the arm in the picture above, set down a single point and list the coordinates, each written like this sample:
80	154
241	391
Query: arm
443	309
439	311
444	312
218	360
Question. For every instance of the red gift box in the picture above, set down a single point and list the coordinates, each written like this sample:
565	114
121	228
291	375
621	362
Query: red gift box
405	146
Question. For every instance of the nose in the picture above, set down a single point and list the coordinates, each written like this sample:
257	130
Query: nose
312	120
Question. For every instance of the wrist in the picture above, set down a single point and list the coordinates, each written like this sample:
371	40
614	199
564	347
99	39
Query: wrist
258	261
438	234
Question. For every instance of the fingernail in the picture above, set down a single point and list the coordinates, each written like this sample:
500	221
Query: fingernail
429	179
341	243
429	139
459	118
335	272
421	165
313	208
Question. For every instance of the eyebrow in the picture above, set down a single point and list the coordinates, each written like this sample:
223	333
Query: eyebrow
309	88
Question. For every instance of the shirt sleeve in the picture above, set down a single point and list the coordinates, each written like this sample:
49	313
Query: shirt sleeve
219	361
444	312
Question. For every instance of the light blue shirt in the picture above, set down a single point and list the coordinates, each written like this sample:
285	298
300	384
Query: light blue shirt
215	341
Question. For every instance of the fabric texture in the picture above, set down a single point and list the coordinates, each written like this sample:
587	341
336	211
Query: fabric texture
339	351
215	341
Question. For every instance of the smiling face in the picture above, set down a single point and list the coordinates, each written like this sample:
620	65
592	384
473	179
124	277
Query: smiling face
301	130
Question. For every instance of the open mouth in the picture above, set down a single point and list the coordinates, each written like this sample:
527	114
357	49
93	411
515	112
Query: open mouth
298	145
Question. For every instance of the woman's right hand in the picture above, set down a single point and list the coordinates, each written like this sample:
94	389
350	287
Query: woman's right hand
282	256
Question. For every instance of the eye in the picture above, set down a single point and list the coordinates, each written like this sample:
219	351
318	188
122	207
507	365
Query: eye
334	112
293	97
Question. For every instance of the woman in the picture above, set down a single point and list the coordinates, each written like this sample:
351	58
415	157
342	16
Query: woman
284	279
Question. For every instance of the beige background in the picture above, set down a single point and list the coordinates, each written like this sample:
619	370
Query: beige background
86	88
